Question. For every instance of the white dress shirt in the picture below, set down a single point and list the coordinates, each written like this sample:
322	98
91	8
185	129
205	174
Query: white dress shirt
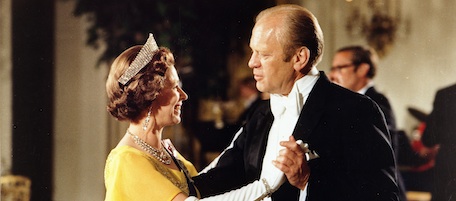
286	110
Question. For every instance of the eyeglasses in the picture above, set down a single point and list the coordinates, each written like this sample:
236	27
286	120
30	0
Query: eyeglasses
338	68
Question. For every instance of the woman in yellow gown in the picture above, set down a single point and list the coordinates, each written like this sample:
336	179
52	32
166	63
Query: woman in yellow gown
143	88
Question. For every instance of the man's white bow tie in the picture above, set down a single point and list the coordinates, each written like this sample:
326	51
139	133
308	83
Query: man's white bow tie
289	105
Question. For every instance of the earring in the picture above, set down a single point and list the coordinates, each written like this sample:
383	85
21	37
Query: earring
146	122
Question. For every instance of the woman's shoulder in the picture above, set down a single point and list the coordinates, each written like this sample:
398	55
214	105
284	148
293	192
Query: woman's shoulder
124	154
125	150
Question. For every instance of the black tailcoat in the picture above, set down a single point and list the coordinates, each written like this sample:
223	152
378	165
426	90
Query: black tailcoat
346	129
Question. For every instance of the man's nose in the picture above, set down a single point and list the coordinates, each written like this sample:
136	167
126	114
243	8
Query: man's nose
253	61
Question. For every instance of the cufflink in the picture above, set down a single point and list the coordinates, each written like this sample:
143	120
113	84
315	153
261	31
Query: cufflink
310	154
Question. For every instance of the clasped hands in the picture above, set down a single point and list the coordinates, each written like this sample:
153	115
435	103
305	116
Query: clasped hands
292	161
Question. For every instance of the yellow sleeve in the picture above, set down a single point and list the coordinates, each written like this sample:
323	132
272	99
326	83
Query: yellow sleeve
132	176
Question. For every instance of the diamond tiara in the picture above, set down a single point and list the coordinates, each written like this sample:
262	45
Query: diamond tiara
141	60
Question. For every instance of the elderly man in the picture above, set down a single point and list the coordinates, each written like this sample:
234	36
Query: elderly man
351	157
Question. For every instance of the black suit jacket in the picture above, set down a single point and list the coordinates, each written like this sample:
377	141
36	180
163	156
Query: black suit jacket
384	105
399	140
346	129
441	129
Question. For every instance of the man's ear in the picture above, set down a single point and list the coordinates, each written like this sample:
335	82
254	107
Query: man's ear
362	70
301	59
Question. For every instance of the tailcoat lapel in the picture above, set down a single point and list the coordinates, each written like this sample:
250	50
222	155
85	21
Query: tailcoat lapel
313	109
256	144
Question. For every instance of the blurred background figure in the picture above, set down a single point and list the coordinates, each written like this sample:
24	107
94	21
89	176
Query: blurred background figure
228	116
415	160
441	130
249	96
354	68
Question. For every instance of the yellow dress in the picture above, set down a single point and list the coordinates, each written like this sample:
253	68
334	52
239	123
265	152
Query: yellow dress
132	175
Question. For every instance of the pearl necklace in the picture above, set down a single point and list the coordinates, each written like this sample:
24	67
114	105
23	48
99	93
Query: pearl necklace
161	155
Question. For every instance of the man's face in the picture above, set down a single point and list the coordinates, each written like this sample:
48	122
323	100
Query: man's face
343	72
273	75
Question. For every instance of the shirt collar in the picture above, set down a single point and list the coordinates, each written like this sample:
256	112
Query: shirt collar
294	102
365	88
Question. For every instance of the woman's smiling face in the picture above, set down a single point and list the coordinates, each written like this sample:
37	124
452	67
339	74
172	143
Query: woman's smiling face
167	106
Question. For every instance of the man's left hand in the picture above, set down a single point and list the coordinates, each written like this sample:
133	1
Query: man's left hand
292	162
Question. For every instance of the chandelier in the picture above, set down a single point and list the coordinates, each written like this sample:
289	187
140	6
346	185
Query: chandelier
378	21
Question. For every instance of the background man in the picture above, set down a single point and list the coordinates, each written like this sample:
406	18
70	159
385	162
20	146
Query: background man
441	129
354	67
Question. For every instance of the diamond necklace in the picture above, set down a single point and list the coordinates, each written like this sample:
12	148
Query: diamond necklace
160	155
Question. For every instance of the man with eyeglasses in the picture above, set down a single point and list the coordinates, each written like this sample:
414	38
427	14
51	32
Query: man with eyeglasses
354	68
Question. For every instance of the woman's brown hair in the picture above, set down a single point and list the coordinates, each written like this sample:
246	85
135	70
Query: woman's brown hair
129	101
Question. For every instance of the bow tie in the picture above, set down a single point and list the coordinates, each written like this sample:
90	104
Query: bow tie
292	104
285	105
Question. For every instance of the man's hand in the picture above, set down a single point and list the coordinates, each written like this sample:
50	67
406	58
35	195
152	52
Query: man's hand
292	161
